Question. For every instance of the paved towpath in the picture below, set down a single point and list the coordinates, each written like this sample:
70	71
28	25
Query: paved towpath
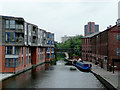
112	78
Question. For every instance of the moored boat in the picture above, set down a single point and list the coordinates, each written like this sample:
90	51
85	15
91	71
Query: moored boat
83	66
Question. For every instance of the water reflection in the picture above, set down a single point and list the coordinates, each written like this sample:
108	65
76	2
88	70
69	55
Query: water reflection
53	76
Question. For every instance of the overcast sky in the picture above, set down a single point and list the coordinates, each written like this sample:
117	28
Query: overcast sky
63	17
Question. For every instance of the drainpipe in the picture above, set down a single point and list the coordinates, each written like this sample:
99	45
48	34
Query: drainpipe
107	50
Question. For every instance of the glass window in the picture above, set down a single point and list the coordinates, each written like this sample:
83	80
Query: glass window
26	50
118	51
9	50
7	24
29	59
22	61
22	50
12	36
12	24
26	59
118	37
7	62
38	57
11	62
16	63
7	37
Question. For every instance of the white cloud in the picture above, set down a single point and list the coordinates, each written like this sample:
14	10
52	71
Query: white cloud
63	17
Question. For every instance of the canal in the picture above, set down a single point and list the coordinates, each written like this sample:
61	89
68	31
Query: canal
53	76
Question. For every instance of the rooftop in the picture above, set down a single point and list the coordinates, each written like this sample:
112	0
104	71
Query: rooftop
91	35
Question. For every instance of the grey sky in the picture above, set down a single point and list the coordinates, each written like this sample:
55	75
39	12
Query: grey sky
63	17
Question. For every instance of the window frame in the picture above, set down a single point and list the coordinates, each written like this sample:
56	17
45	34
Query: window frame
9	34
14	63
9	50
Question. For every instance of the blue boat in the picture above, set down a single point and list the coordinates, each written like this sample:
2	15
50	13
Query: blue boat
82	66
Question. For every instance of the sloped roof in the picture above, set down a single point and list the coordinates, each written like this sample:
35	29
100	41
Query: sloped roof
91	35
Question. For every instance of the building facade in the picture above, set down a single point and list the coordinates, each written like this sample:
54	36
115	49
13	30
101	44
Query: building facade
90	28
22	44
102	47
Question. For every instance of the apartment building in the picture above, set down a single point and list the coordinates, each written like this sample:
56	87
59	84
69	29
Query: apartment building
102	47
22	44
91	28
50	45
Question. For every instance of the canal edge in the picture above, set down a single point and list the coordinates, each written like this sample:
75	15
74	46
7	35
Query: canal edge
25	70
104	81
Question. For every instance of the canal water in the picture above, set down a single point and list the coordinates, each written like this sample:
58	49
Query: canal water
53	76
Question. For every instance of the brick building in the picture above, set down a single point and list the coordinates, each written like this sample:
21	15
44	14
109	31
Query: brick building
102	47
91	28
22	44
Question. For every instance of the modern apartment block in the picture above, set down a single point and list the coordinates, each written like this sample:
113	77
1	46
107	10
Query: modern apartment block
90	28
102	47
22	44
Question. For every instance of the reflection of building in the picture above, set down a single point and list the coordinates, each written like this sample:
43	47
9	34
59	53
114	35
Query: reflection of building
102	47
65	38
90	28
22	44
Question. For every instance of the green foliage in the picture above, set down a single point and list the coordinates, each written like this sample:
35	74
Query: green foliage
74	43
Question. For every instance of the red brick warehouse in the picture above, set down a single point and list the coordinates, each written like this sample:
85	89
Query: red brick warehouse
102	47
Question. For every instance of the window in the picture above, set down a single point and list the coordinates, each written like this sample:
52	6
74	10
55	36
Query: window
26	59
29	59
16	62
26	50
22	61
9	36
38	50
11	62
17	50
38	57
41	49
48	42
48	56
118	51
7	24
30	50
10	24
6	62
48	36
22	50
118	37
10	50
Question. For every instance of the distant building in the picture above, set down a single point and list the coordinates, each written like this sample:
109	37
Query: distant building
90	28
65	38
118	21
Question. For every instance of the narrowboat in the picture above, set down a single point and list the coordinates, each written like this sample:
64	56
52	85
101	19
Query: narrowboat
82	66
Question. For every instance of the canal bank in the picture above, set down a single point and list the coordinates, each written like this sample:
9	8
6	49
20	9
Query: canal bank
53	76
109	79
4	76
